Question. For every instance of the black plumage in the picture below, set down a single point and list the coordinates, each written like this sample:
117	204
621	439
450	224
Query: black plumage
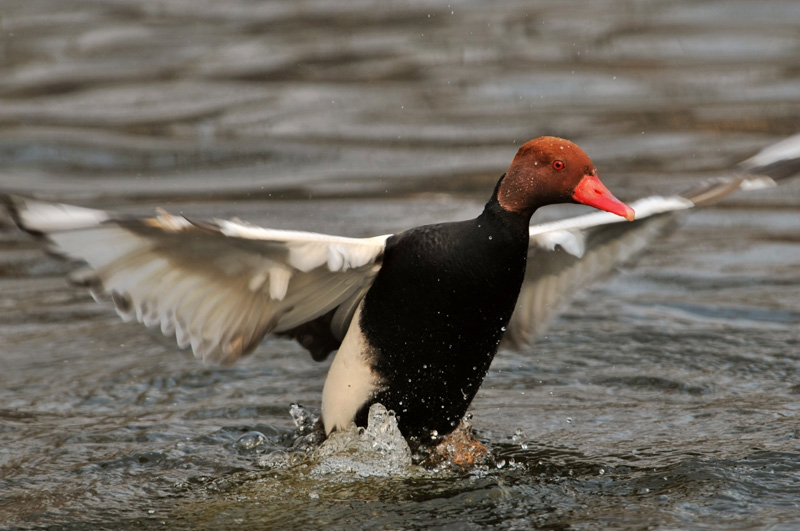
437	311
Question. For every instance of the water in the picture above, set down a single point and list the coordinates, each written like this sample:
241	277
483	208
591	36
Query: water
666	397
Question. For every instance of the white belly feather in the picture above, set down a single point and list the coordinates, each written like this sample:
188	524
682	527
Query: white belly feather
350	382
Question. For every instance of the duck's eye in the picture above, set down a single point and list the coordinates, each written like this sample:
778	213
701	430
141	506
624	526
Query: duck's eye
558	165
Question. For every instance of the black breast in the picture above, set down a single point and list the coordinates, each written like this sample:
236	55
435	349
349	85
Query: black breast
436	313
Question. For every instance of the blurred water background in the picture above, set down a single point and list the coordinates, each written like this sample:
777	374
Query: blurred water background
665	398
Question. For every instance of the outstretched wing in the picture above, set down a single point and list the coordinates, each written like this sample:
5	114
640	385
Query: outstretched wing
567	255
218	286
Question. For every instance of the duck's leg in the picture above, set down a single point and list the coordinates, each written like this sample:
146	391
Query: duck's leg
459	449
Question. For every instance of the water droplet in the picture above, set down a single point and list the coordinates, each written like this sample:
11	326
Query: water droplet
304	420
251	441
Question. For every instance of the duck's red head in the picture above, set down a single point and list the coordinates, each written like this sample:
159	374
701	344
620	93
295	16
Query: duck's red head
549	170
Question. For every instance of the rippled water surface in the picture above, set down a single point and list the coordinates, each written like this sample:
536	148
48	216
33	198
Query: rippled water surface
667	397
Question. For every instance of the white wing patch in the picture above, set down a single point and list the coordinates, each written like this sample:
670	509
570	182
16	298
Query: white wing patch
309	250
566	255
45	217
572	241
219	287
786	149
570	233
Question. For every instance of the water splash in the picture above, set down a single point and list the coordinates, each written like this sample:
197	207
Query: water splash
377	450
304	420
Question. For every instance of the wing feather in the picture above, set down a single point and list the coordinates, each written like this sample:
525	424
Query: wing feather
567	255
221	286
218	286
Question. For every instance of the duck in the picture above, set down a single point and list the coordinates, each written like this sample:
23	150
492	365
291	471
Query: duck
414	318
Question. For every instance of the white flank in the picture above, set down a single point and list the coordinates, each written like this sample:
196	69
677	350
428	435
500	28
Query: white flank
350	382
